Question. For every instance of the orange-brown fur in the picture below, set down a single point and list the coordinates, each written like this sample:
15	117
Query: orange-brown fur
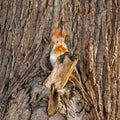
59	47
60	33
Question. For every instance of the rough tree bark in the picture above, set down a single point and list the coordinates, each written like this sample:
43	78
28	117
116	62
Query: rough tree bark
93	30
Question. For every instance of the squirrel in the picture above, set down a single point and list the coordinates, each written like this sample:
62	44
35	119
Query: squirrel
59	47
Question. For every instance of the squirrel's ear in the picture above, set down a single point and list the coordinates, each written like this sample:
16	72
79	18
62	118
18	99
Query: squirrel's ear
53	35
57	33
63	33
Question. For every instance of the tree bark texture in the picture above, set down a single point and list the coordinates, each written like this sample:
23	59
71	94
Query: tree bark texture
93	31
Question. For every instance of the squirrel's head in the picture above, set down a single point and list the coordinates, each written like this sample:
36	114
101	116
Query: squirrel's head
58	36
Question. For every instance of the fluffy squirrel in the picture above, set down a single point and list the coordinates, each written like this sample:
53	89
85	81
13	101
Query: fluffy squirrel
59	46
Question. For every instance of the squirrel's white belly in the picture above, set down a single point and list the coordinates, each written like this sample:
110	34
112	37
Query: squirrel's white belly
53	57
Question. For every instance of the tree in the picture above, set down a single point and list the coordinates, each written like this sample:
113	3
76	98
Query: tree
93	31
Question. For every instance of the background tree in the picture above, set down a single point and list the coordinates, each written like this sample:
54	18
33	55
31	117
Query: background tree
93	29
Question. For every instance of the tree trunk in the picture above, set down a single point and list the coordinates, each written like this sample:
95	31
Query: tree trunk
93	31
